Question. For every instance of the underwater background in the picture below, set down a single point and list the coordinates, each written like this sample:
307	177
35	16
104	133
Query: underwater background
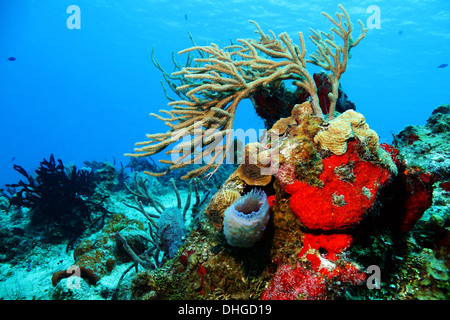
85	94
73	101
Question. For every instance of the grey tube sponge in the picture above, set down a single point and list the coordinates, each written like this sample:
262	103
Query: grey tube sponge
246	219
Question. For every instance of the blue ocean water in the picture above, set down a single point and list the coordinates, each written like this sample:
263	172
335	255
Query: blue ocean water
86	94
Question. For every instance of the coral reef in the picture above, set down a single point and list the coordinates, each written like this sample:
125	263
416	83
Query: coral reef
337	198
222	78
97	257
333	244
62	199
319	209
332	219
315	283
294	284
348	125
273	104
427	153
171	230
167	234
426	146
439	121
309	249
220	201
339	204
254	158
312	229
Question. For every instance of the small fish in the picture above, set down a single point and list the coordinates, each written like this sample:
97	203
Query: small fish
444	65
12	59
13	159
185	16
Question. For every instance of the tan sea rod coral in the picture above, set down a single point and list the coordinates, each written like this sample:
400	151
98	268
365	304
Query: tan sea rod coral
222	77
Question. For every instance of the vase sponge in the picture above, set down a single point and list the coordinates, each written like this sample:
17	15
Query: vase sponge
246	219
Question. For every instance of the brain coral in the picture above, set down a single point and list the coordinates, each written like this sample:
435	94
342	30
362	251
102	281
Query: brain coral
246	219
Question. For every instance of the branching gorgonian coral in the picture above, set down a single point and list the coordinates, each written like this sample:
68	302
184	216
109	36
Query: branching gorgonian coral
220	78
